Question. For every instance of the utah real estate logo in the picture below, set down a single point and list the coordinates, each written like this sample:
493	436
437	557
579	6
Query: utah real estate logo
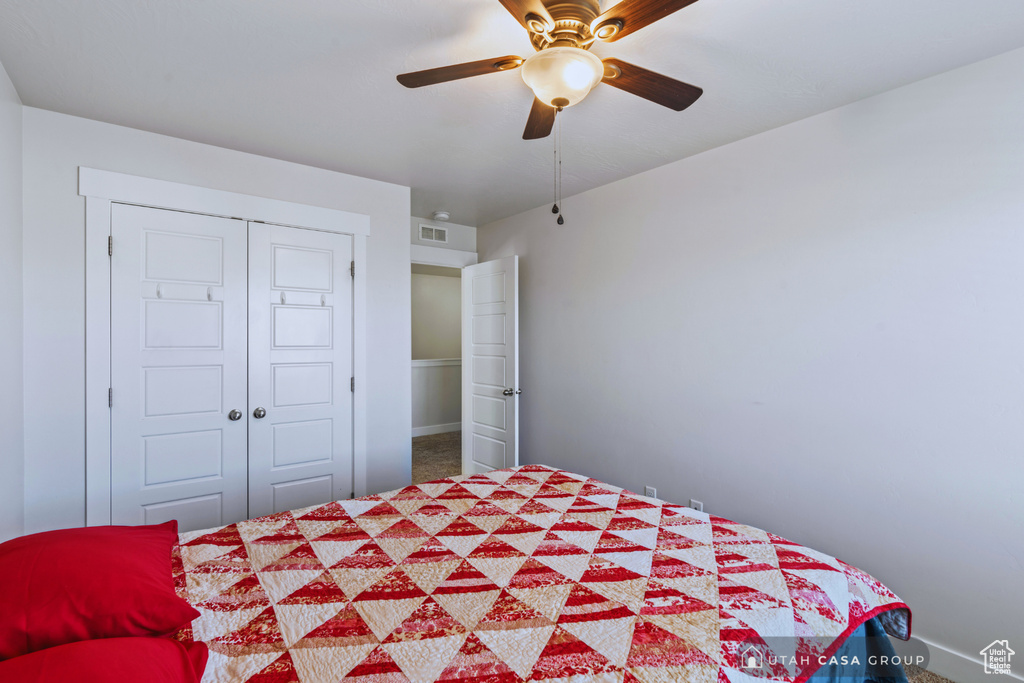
997	657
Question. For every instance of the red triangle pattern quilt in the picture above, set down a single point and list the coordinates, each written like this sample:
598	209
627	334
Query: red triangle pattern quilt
523	574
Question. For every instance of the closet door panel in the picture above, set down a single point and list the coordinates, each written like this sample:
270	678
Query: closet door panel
300	367
178	352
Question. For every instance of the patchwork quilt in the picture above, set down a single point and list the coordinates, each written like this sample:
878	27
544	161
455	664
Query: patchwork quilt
530	573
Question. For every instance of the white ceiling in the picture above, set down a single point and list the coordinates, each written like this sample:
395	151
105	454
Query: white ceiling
313	81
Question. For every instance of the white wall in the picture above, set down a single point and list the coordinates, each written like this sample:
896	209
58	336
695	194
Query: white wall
436	316
436	397
54	146
461	237
818	330
12	473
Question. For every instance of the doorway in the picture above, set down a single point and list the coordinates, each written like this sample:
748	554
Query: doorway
436	372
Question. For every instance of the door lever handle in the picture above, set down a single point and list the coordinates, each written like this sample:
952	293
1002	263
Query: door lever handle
508	392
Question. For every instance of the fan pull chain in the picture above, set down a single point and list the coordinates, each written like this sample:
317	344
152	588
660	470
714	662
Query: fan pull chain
557	181
554	170
560	219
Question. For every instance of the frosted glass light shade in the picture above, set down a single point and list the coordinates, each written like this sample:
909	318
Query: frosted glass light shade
562	76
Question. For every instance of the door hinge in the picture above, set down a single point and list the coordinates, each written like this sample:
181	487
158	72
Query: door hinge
110	245
352	385
110	398
352	269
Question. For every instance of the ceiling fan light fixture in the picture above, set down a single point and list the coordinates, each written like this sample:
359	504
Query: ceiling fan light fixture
562	76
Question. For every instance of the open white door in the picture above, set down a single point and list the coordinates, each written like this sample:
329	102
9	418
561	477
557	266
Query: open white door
490	365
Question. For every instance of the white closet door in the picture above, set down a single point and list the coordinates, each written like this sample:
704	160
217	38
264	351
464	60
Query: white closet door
300	368
178	344
490	365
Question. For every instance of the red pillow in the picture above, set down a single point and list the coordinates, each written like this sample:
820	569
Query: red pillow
125	660
63	586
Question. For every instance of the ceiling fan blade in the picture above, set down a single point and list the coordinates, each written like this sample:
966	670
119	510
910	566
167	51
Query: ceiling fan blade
542	118
418	79
668	92
522	9
632	15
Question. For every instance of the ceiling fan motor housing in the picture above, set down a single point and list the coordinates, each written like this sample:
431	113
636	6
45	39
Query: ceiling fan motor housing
572	24
581	10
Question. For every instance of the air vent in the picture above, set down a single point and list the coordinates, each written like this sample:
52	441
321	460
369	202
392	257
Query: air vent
429	233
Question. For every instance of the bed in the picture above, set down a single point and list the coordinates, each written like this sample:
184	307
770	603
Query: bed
530	573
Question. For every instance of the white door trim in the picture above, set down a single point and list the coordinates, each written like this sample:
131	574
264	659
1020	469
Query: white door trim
97	362
163	194
101	189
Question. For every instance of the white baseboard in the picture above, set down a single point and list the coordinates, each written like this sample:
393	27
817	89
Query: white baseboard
437	429
957	666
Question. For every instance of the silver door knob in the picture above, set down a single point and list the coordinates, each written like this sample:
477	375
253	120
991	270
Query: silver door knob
259	413
235	415
508	392
518	391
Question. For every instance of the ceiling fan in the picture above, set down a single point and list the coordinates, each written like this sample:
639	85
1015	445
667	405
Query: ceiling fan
563	71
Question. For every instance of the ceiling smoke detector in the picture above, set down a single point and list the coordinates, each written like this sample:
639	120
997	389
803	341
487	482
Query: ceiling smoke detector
441	216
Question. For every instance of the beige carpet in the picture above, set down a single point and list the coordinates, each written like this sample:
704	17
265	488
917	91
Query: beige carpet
440	455
436	456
